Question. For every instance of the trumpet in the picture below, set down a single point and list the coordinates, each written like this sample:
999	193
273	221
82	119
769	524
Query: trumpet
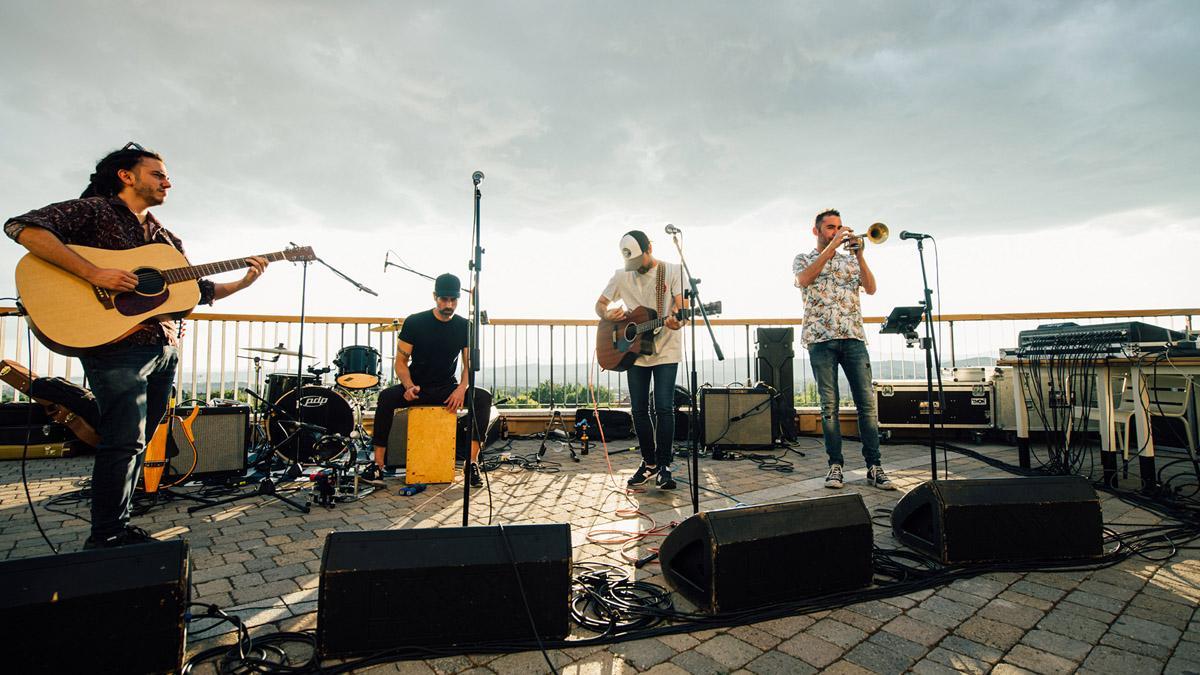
877	233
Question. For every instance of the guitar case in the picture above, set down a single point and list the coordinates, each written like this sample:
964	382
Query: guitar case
64	402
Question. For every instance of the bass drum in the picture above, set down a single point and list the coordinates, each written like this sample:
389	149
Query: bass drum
313	405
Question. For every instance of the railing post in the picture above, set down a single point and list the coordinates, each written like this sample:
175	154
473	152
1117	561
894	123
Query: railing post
953	364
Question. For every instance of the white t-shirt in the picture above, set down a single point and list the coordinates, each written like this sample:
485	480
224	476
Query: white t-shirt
637	290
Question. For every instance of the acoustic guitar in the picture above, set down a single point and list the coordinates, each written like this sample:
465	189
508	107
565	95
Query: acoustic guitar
619	344
71	316
157	450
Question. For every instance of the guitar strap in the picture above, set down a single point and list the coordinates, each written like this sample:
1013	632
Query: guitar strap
660	287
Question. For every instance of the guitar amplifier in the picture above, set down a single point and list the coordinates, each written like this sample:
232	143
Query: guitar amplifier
903	404
222	434
736	417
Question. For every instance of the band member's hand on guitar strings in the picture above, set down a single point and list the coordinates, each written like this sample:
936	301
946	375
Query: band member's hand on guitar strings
113	279
616	314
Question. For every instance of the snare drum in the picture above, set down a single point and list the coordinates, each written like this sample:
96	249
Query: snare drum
358	367
319	406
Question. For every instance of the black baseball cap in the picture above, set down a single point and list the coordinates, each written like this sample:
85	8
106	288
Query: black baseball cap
447	286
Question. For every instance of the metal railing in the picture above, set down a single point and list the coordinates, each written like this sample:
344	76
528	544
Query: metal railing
534	362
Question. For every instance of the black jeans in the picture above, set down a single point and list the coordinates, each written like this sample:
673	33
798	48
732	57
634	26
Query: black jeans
393	397
132	386
654	437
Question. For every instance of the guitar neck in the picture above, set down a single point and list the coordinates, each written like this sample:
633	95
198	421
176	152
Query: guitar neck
197	271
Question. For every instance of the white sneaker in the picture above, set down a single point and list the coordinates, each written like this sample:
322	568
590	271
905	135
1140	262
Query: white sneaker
833	480
879	479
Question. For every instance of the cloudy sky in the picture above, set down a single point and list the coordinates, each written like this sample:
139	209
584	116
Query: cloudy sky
1051	147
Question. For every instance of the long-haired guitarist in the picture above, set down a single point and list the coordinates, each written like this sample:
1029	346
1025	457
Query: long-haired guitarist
132	377
648	282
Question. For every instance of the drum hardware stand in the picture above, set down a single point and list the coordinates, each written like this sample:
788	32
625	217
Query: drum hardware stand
692	293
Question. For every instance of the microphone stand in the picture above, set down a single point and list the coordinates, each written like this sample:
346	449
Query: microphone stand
929	344
354	283
389	263
475	266
694	411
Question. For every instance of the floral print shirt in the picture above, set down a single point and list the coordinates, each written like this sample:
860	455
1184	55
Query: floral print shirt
831	305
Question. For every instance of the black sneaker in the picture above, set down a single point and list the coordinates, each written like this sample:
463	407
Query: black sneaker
879	479
130	535
372	475
664	480
476	478
643	474
834	478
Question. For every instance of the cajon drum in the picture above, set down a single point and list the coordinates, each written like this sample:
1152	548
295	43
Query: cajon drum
422	440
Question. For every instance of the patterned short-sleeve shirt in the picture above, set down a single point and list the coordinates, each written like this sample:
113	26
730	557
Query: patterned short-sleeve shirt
831	304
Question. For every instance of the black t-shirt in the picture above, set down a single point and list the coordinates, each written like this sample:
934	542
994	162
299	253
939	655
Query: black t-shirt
436	347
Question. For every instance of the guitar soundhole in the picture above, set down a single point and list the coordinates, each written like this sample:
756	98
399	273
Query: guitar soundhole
630	332
150	281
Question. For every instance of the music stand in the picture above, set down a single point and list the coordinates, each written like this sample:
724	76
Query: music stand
904	321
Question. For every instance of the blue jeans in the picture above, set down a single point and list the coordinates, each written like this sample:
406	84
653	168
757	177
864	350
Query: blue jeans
132	385
856	363
655	438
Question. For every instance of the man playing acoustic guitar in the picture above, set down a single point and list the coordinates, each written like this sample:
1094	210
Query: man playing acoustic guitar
651	283
131	378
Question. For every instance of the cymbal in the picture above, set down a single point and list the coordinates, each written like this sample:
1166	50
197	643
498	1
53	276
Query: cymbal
386	328
280	350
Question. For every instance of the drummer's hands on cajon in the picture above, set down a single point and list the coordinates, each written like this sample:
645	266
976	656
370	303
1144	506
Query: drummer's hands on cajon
455	400
411	393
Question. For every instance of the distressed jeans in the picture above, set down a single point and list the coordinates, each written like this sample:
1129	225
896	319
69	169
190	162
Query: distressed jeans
132	386
852	355
654	437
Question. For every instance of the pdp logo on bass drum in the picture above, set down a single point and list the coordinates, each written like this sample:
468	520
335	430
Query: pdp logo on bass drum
314	401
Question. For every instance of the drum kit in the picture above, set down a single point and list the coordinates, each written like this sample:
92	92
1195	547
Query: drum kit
314	427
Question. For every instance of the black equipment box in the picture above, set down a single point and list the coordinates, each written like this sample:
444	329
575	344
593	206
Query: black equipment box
617	423
903	404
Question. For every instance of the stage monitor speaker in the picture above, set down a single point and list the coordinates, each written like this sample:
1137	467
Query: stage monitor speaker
114	610
773	367
751	556
222	434
1001	519
735	418
443	587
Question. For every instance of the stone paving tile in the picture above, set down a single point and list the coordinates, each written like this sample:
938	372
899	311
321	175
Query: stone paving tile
1039	661
1011	613
811	649
644	653
991	633
1057	644
729	651
1073	625
698	664
837	633
914	630
778	663
1104	659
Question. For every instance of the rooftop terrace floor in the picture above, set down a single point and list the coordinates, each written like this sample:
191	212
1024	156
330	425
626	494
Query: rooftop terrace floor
260	560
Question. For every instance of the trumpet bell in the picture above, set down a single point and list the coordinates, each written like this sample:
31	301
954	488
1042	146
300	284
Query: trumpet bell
877	233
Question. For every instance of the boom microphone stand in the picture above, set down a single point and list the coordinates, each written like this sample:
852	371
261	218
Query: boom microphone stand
473	347
929	344
694	413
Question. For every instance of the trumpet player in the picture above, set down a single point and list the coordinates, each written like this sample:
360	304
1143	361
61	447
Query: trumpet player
830	280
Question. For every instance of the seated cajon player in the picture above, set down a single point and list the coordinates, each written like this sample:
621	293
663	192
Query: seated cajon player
428	345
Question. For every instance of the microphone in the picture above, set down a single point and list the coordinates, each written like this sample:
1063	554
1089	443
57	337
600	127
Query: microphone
385	261
289	425
477	177
914	235
671	229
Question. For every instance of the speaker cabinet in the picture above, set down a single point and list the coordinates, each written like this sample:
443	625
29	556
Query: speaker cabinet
442	587
773	366
117	610
746	557
222	434
1001	520
736	418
